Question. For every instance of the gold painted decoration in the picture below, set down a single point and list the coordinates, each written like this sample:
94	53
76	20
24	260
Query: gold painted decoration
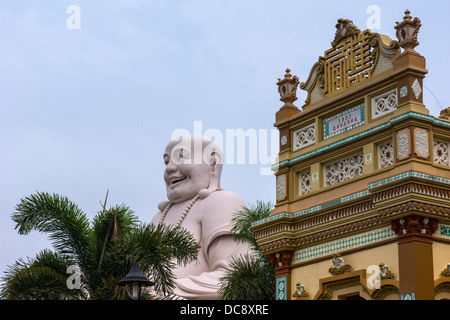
300	291
339	266
355	56
445	114
385	272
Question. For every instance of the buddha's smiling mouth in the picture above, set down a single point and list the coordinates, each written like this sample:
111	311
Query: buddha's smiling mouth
176	180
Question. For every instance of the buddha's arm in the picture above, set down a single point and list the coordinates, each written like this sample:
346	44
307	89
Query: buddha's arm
219	253
217	245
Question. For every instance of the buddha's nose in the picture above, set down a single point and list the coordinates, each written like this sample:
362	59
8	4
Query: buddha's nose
171	167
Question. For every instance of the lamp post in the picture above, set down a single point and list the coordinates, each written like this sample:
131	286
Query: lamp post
134	281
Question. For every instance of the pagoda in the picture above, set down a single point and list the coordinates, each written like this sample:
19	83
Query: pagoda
363	176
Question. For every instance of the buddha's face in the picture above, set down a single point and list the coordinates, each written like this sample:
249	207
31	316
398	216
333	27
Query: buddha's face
186	172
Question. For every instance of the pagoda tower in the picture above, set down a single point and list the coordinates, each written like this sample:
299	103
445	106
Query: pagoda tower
363	176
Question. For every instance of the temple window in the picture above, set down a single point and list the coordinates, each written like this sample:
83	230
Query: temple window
344	169
385	155
304	182
305	136
441	152
384	104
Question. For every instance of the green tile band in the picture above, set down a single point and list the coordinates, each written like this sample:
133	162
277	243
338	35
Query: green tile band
362	134
353	196
343	244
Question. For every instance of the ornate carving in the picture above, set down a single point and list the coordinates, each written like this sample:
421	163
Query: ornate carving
410	188
281	261
351	62
300	291
354	57
339	265
445	114
386	154
305	182
384	104
441	152
384	50
417	89
344	169
415	206
403	144
422	146
287	88
378	198
305	136
281	187
407	32
344	28
414	228
383	64
329	287
385	272
446	271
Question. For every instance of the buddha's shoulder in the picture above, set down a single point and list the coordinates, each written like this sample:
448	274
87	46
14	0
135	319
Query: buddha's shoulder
223	203
224	197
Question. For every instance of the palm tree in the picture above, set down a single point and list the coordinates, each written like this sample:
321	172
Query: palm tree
103	250
252	276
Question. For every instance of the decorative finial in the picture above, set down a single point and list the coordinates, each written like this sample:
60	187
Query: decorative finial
407	17
407	32
287	88
288	74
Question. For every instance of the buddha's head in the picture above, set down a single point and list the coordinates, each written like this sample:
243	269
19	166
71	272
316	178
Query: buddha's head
193	166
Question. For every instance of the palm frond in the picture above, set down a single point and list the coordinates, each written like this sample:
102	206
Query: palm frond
251	277
120	218
41	278
157	249
65	223
243	219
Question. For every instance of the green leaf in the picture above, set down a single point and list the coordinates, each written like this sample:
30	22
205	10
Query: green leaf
41	278
251	277
243	219
66	224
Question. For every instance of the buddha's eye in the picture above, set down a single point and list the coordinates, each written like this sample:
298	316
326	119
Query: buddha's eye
166	160
180	156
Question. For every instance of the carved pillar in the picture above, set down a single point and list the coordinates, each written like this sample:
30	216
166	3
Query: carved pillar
415	255
282	264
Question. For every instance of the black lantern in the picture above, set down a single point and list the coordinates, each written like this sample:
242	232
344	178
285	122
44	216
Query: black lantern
134	281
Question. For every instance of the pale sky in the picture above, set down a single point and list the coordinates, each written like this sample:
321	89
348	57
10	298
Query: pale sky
90	109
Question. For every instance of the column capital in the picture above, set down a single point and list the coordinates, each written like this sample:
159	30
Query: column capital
414	228
282	261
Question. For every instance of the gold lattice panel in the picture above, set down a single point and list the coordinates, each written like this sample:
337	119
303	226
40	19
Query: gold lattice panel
348	63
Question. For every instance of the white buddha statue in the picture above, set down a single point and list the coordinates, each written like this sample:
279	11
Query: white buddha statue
196	202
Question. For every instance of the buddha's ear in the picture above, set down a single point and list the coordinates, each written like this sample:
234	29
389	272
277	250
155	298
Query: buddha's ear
215	171
215	162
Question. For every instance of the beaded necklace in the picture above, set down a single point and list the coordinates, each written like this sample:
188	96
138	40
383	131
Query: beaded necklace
185	212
